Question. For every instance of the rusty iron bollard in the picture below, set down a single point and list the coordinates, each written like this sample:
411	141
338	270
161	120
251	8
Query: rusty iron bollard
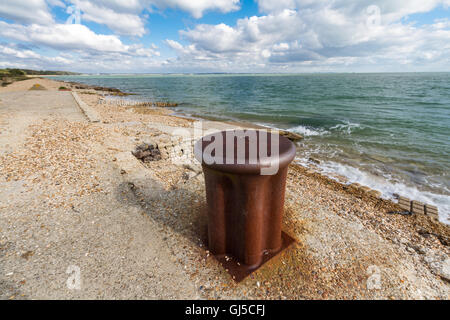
245	207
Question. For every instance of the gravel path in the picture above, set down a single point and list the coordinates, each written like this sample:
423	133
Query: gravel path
62	208
19	109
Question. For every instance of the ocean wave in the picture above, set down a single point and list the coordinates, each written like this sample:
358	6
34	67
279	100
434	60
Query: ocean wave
347	127
386	185
307	131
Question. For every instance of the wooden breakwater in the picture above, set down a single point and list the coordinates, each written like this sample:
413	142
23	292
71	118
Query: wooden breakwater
418	207
138	103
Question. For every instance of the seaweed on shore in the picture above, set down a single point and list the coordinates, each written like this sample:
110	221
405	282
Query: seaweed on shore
111	91
38	86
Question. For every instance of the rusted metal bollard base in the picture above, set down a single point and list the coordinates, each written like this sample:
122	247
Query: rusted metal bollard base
239	271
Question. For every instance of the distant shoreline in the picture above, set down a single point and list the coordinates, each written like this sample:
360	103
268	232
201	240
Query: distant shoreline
257	73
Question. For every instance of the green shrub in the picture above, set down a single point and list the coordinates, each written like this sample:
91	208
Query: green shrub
16	72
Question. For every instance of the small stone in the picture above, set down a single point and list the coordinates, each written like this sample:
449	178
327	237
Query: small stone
355	186
290	135
374	193
147	152
411	250
27	255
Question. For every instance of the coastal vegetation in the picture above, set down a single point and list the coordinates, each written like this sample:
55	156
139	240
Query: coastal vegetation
10	75
46	72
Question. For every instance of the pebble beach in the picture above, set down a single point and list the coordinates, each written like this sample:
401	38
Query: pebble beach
73	193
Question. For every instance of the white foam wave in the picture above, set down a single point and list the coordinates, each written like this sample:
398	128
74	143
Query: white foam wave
307	131
347	127
386	186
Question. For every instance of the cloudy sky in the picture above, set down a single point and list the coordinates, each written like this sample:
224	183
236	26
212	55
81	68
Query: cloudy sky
289	36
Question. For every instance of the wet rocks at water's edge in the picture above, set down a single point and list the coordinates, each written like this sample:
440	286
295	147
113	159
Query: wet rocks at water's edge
294	137
147	152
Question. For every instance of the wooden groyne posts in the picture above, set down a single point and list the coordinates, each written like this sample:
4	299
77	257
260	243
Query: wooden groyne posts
418	207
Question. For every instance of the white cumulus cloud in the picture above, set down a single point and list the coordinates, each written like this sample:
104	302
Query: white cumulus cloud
307	33
286	35
26	11
121	17
72	37
127	17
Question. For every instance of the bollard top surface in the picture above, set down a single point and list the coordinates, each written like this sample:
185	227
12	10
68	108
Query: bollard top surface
244	151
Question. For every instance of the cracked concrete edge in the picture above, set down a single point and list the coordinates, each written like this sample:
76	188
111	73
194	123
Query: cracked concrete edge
87	110
131	167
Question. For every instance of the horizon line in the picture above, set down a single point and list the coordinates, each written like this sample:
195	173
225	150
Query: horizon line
236	73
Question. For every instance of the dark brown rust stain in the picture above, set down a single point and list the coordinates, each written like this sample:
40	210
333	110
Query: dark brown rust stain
244	208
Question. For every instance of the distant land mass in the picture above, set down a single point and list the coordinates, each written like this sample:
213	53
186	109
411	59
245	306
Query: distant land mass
36	72
8	76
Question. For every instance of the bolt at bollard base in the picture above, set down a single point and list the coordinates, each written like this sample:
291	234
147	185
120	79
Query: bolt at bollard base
239	271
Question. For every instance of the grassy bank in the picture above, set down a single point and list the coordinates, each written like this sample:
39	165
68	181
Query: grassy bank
8	76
